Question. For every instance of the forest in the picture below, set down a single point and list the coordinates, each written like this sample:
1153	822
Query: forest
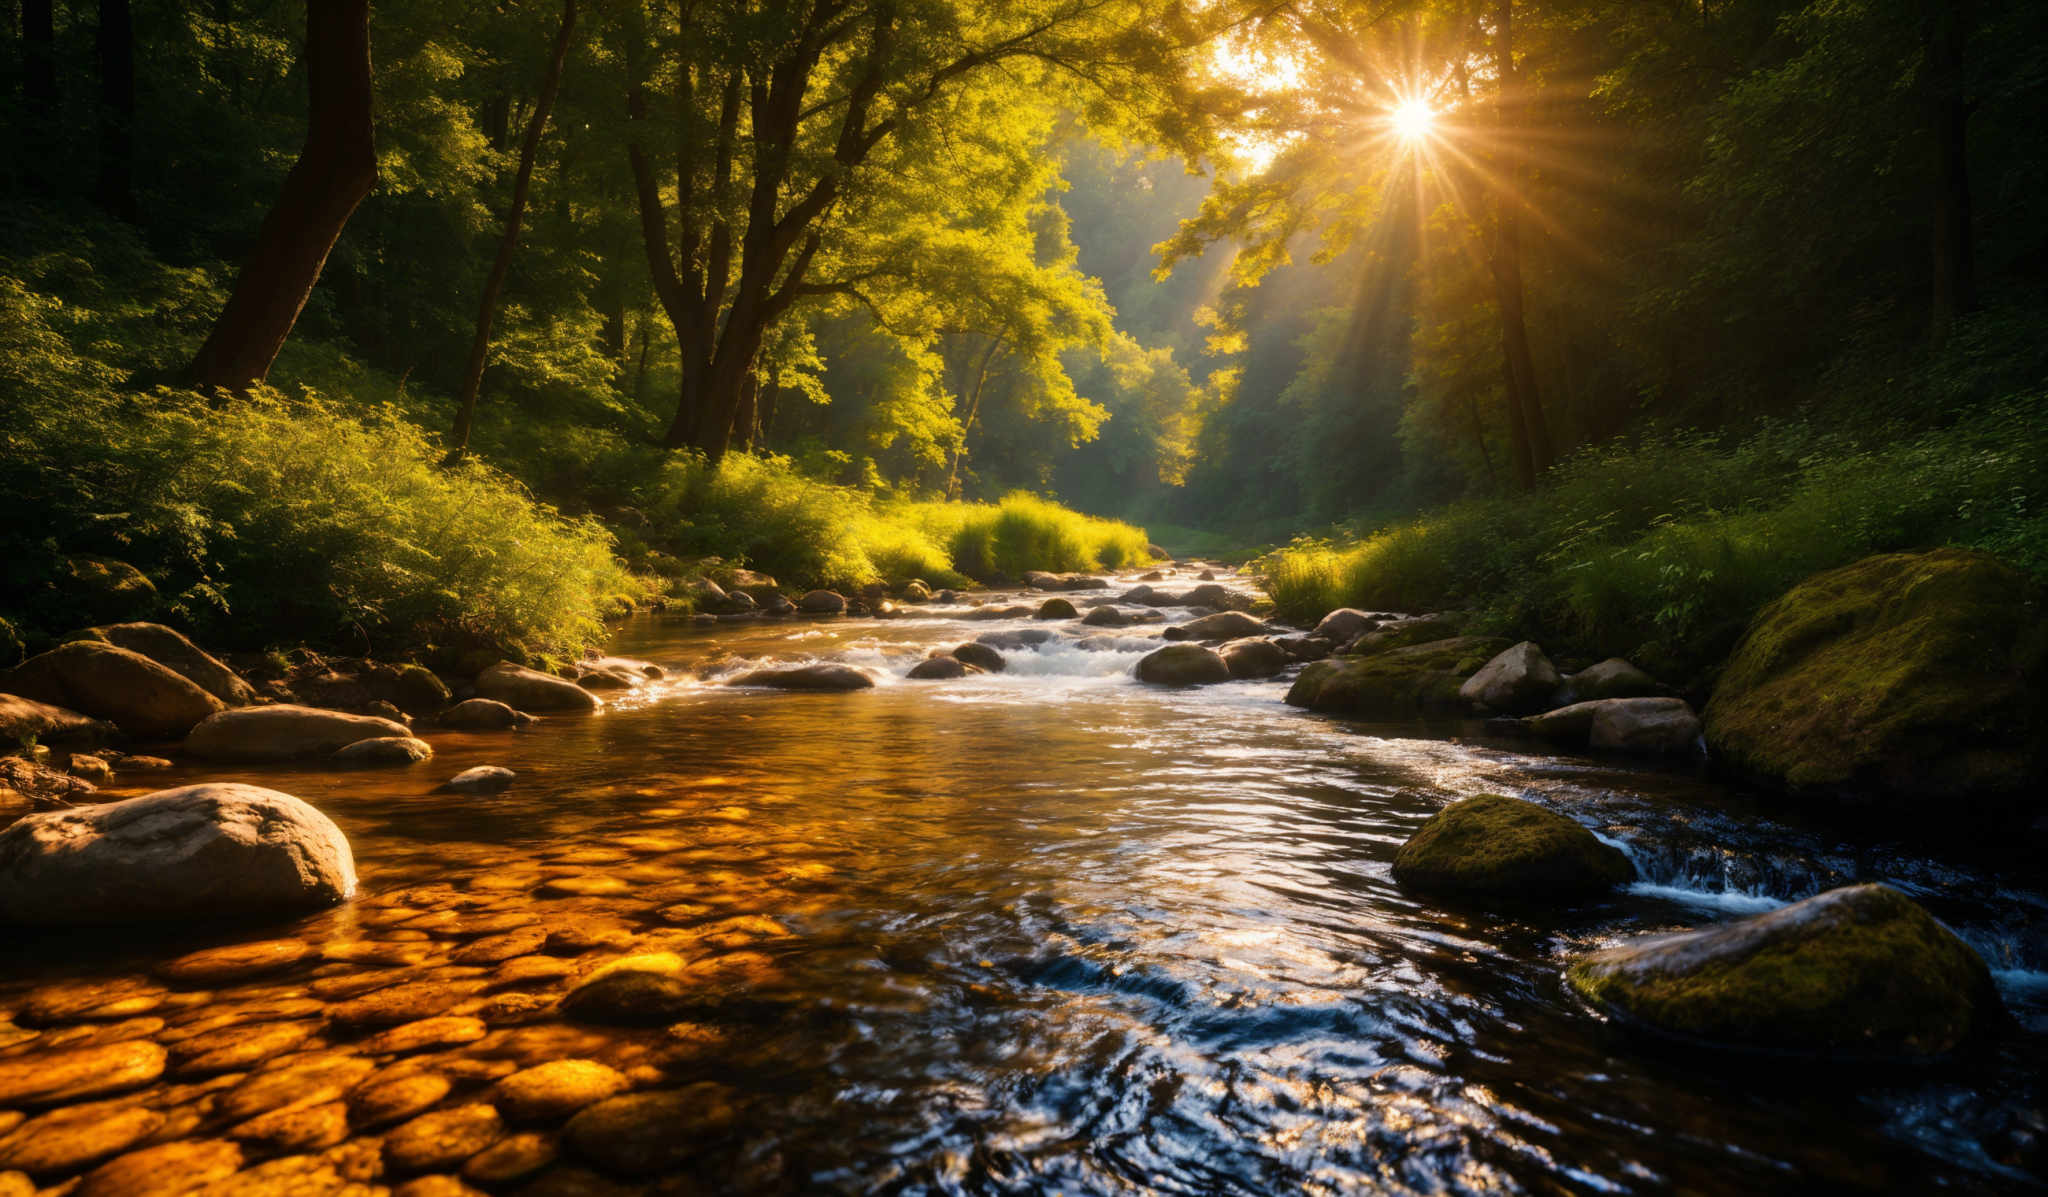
652	284
1107	597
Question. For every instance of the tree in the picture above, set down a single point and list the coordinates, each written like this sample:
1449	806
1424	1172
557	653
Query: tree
336	168
529	146
778	117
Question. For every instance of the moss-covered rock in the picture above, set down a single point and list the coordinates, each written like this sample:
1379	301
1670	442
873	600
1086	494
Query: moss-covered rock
1492	846
101	588
1400	683
1407	633
1904	675
1859	971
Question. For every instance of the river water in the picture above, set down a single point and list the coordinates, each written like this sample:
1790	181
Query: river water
1052	930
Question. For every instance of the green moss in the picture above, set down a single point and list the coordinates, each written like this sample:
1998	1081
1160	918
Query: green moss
1876	975
1397	684
1492	845
1908	673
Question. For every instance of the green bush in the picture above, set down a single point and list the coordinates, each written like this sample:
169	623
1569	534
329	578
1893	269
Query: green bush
1025	532
1673	543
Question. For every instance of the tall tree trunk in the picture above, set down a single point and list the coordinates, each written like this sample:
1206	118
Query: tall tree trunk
522	184
973	413
1529	434
336	169
115	42
1954	244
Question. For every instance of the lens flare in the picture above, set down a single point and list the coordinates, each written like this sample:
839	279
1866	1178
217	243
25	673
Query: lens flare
1413	119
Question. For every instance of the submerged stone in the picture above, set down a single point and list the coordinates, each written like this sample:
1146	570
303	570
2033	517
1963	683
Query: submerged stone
1858	971
1493	846
189	1165
234	962
643	1134
77	1137
42	1078
556	1089
442	1139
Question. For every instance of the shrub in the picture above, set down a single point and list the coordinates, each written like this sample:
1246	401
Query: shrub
1025	532
1676	542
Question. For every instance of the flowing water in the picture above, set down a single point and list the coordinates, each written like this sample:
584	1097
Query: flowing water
1045	930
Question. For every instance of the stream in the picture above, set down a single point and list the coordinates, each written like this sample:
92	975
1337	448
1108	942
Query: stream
1053	930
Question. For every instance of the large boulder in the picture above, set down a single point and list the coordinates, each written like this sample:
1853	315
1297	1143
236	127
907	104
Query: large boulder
1651	726
282	732
1224	625
531	690
196	851
1859	971
1422	679
1612	678
1407	633
1493	846
25	719
1183	665
821	676
171	649
1212	594
131	691
1519	681
1254	657
1905	676
1344	625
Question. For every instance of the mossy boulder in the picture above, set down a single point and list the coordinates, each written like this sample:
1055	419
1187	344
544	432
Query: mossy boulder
1492	846
1908	675
101	588
1860	971
1407	633
1401	683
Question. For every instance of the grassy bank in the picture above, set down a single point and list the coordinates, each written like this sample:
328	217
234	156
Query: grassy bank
321	512
1664	548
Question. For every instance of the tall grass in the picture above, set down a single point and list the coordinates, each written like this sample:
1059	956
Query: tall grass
1667	547
1025	532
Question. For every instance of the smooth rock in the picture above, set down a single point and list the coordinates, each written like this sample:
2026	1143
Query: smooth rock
629	997
220	848
1519	681
25	719
531	690
171	649
127	689
1650	726
1860	971
644	1134
295	1128
445	1030
231	963
821	676
41	1078
1401	683
557	1089
1057	608
483	779
1254	657
442	1139
483	714
822	602
938	669
1106	617
384	751
1492	846
1612	678
71	1139
981	656
1344	625
1182	665
282	732
511	1158
166	1170
382	1100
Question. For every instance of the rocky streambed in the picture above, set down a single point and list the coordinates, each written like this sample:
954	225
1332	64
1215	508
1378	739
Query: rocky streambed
810	912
